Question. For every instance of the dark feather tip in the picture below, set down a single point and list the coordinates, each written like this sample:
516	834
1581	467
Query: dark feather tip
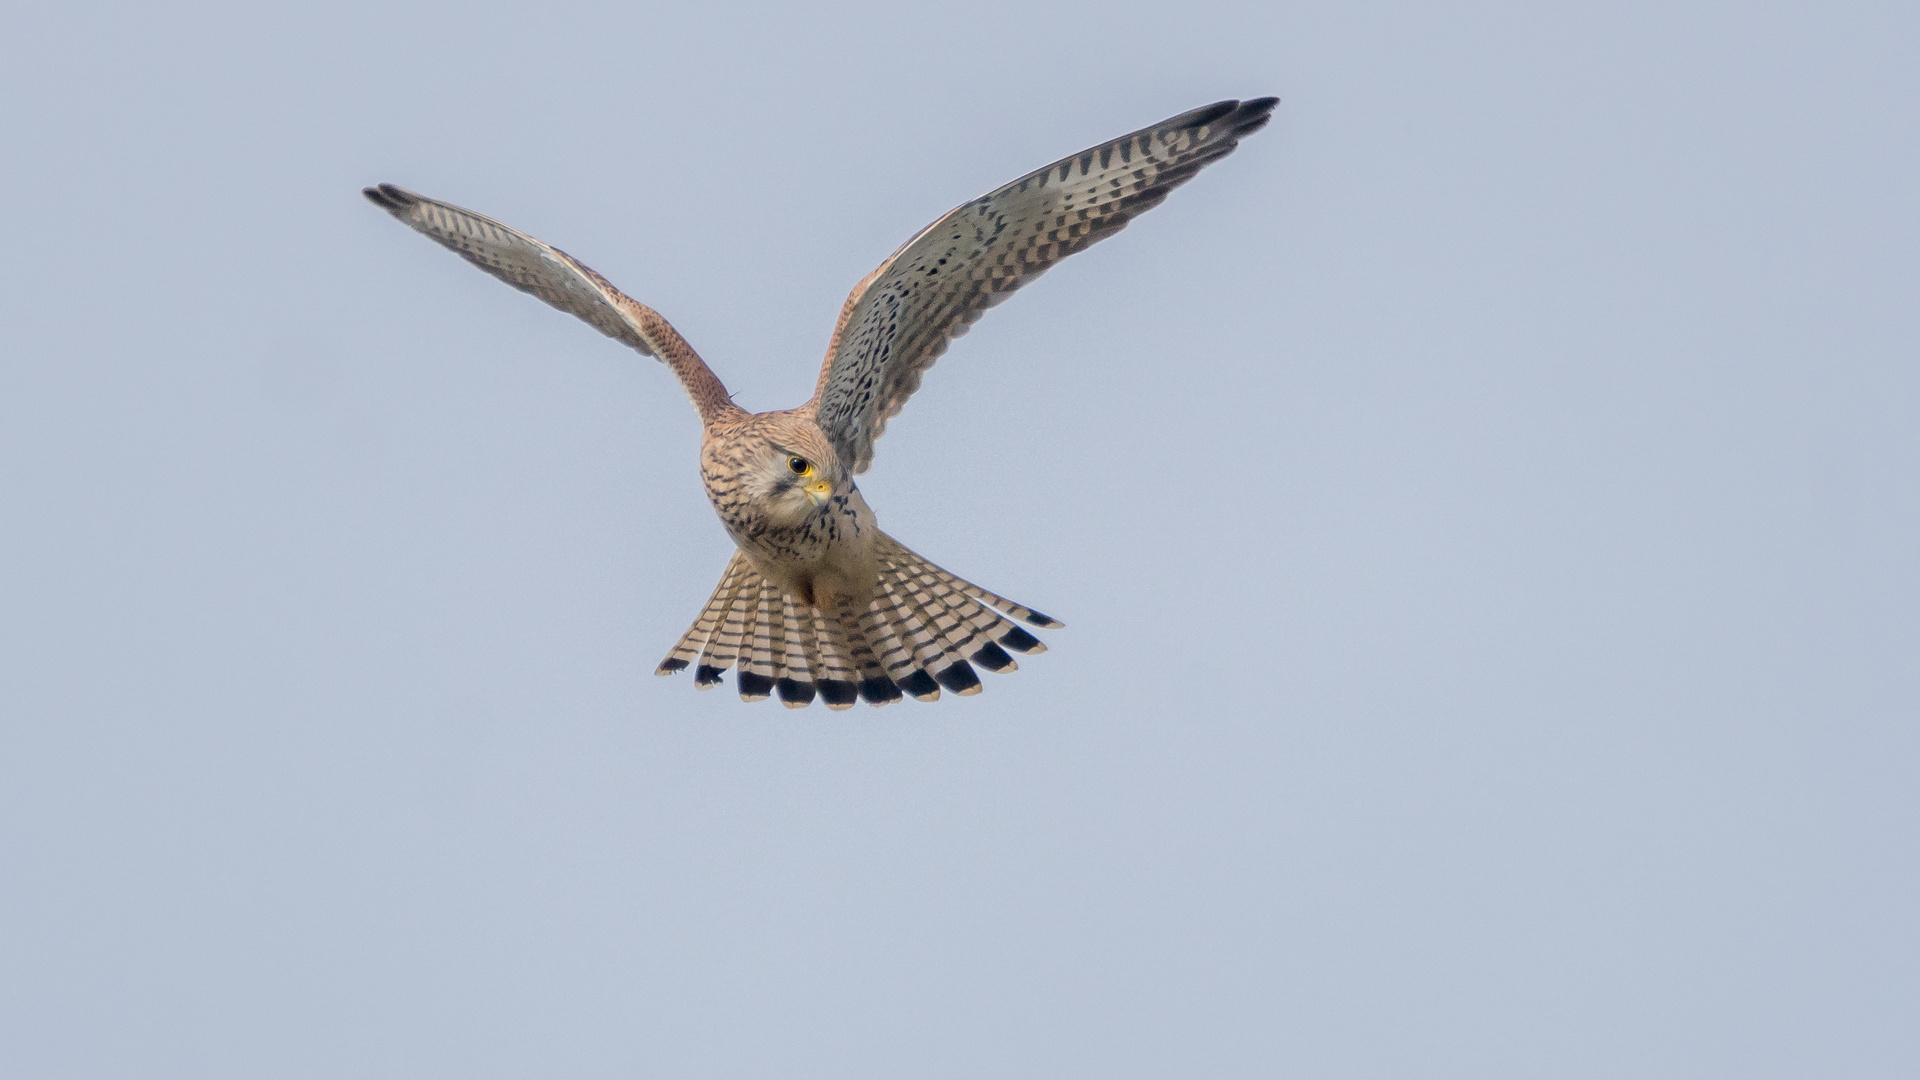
1019	640
1253	116
707	675
992	657
837	692
670	665
1045	622
919	684
879	690
794	692
386	197
754	686
1207	114
959	678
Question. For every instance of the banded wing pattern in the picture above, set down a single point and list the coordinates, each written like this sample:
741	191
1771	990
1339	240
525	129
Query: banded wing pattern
545	271
899	319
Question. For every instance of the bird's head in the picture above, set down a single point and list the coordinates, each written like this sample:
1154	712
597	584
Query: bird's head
791	470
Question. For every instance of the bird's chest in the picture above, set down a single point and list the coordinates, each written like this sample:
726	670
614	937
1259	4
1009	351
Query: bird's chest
826	551
816	536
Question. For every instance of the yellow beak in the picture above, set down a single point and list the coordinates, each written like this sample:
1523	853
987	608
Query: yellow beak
818	491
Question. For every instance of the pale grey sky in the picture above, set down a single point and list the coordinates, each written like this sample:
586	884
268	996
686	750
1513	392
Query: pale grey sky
1484	509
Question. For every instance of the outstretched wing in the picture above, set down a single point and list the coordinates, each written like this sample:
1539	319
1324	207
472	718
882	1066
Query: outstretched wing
561	280
899	320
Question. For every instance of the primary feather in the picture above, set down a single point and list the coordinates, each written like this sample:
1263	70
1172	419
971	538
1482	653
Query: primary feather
901	317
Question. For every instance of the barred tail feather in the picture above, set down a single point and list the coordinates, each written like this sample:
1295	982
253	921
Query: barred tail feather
968	588
858	630
758	665
917	647
945	651
694	642
840	688
923	630
964	613
795	684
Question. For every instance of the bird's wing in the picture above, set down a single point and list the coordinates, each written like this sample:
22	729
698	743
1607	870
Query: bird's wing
899	320
561	280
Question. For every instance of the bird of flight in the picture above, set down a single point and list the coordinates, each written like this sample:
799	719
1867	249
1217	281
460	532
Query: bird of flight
816	600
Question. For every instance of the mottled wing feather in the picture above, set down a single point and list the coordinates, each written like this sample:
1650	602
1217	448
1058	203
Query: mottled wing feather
545	271
519	260
899	320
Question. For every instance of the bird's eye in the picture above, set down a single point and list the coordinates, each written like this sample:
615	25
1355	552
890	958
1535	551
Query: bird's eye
800	466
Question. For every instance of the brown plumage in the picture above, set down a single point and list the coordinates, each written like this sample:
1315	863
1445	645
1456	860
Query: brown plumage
817	601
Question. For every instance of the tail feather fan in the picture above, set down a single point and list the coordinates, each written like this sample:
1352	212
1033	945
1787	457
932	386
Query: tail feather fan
923	630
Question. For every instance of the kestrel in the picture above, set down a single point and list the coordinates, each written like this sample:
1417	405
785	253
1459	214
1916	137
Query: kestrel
816	600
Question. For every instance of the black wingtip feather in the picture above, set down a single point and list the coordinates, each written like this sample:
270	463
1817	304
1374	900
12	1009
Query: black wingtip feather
387	197
707	675
1253	115
1206	114
1241	117
793	691
1044	622
670	665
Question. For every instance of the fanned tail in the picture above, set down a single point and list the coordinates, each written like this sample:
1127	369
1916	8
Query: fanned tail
923	630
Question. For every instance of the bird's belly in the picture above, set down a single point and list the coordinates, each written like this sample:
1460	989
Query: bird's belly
822	577
820	559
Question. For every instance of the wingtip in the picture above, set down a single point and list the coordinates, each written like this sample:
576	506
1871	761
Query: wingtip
389	197
1206	114
1253	115
1252	110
